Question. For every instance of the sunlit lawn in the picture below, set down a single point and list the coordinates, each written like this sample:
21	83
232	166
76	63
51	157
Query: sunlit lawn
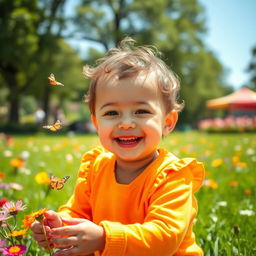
226	220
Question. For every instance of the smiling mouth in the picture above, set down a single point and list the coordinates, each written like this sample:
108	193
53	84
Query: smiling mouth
128	140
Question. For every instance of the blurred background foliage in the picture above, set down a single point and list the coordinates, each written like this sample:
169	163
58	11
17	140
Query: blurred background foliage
35	41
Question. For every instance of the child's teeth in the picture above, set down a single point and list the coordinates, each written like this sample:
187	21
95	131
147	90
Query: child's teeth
127	138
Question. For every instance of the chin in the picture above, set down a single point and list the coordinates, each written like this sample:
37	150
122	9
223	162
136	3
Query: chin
132	157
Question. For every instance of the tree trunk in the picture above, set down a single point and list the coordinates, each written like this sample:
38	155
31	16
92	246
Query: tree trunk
46	103
9	74
14	117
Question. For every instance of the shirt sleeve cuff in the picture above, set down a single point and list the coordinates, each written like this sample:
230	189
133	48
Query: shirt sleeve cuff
115	239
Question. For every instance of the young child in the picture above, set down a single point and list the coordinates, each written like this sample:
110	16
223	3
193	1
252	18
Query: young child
131	197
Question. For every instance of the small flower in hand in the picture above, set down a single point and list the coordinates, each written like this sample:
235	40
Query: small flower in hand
29	219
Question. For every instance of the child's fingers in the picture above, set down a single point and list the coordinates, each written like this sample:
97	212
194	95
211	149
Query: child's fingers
37	228
72	221
40	237
50	215
65	242
66	230
42	242
52	219
45	245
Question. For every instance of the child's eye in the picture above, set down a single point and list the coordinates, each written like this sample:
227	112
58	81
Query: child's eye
111	113
142	111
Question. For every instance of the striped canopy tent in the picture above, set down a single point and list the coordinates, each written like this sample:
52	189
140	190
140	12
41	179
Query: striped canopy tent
243	99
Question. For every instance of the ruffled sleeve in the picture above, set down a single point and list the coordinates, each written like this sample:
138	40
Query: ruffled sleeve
190	168
78	206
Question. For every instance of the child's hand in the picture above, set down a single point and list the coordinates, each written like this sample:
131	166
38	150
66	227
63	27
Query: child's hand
52	220
38	235
80	237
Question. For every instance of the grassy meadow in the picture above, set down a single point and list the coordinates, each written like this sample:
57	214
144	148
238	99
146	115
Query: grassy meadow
226	221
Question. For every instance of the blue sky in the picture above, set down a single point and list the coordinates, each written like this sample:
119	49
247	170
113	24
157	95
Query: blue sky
231	35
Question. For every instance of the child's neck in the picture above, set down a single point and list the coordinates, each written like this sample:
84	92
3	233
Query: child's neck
126	172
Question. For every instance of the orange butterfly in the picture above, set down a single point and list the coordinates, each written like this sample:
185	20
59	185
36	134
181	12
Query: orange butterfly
55	127
52	80
57	183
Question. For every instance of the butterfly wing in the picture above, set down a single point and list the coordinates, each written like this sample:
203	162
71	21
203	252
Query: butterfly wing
53	181
60	183
57	183
47	126
58	83
55	127
66	178
51	79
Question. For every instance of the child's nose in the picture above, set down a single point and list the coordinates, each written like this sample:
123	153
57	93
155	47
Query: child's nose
126	123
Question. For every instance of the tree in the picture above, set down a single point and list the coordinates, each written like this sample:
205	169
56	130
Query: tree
29	29
252	69
67	68
176	27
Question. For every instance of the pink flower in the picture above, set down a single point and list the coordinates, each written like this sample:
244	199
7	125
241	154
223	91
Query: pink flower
12	208
3	217
2	242
15	186
14	250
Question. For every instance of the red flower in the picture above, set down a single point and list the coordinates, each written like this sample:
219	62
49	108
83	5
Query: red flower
3	201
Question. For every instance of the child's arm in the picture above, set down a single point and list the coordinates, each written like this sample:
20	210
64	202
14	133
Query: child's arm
78	205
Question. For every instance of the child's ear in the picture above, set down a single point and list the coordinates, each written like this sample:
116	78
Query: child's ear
94	121
170	122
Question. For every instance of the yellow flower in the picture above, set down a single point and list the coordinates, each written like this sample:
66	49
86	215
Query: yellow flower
17	162
16	233
217	162
202	141
235	159
241	164
42	178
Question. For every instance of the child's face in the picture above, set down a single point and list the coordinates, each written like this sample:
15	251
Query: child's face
130	117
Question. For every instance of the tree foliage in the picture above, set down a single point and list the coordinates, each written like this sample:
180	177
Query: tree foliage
176	27
32	45
252	69
29	43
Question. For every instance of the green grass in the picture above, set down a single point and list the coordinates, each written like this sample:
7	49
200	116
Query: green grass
220	208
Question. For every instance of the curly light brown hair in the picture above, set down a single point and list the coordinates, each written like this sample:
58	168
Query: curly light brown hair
127	61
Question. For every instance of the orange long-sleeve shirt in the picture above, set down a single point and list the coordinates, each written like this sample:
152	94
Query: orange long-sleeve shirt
153	215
